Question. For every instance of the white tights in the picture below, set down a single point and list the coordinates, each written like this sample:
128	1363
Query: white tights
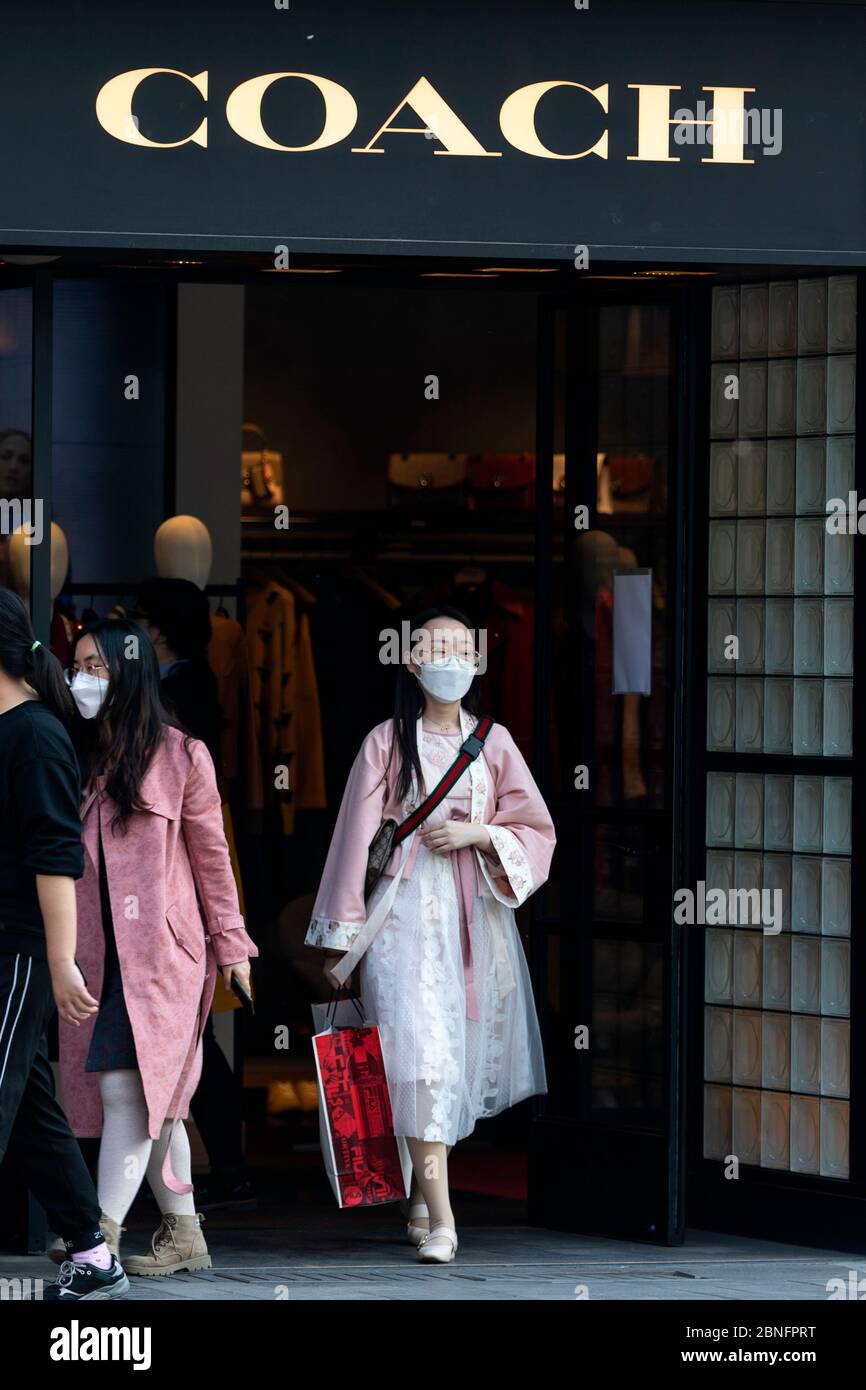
430	1180
127	1154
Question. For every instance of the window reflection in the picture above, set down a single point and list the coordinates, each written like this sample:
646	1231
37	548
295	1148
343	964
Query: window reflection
627	1026
16	460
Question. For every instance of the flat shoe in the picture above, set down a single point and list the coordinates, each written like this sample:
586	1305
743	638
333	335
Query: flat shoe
416	1234
439	1246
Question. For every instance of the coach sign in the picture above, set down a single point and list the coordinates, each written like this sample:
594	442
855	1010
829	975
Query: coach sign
640	130
726	126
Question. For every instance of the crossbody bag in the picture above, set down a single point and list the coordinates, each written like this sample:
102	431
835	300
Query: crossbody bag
390	834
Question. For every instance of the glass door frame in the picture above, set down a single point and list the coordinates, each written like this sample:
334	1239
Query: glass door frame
640	1169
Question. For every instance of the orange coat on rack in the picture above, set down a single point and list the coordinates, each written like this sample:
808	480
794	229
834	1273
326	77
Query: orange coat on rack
286	700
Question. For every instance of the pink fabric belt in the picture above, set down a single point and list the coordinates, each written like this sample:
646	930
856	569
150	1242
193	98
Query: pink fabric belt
463	863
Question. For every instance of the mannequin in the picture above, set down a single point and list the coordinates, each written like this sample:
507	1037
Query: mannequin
19	560
19	556
182	549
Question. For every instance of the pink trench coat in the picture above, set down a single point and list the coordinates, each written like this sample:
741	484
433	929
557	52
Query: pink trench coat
176	918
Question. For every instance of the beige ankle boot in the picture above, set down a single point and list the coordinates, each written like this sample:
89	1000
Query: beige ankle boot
110	1229
178	1244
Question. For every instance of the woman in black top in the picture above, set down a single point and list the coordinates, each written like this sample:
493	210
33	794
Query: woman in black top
40	857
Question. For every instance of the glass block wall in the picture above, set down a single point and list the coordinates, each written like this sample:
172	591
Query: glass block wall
777	1007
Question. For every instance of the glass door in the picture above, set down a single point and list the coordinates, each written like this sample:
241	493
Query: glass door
606	1140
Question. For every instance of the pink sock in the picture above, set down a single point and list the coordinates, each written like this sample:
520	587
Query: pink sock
100	1256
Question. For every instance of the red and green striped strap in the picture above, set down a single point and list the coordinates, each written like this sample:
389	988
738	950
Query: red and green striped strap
443	787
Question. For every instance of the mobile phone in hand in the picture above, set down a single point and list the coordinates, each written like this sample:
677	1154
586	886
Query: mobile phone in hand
246	999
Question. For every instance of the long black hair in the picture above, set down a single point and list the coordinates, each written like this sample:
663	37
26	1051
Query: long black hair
409	702
130	724
36	665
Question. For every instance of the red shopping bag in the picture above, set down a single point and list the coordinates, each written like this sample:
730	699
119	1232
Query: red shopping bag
365	1162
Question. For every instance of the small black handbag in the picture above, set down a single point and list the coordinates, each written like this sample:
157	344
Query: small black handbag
390	834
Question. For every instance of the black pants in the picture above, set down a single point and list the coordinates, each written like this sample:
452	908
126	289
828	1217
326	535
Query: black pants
217	1107
33	1129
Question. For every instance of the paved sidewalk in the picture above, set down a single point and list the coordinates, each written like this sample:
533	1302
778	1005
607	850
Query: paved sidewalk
359	1257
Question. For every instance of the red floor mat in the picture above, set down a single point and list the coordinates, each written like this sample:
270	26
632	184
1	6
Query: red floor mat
496	1172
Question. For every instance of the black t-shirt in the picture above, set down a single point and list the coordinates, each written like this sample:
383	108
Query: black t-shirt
40	827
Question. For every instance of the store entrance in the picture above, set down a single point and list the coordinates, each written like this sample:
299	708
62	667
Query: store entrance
438	445
399	425
466	440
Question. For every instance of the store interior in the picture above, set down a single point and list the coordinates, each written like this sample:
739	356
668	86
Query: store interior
392	430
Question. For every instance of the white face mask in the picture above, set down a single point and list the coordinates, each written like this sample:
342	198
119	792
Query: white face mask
448	679
88	692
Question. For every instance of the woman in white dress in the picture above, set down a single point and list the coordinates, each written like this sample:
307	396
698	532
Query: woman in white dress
441	966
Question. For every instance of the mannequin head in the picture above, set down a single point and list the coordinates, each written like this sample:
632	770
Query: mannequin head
597	555
20	553
183	549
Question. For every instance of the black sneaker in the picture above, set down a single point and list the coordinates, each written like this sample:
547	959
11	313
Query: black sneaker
81	1281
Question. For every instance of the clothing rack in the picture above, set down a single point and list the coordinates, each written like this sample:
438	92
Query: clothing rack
448	557
118	590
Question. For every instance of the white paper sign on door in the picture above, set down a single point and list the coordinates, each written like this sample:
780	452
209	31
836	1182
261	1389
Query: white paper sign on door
632	632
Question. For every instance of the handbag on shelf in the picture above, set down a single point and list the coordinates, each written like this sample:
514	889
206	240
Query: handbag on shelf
261	473
505	481
439	476
632	481
390	834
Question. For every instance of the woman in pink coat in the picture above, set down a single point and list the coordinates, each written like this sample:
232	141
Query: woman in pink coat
158	914
442	968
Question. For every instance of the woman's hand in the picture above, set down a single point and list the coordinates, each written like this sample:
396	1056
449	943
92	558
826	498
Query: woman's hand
241	972
74	1003
331	961
455	834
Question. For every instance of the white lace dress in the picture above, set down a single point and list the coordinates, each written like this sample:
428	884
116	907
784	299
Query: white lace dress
430	965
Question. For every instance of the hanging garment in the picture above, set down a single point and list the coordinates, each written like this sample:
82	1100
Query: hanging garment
442	968
229	659
511	656
310	783
359	617
286	701
271	632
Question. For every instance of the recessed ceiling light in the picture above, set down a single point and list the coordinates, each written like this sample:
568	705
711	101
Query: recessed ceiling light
521	270
648	275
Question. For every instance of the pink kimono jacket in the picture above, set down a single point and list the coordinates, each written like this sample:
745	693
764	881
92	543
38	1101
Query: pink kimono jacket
176	919
504	799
